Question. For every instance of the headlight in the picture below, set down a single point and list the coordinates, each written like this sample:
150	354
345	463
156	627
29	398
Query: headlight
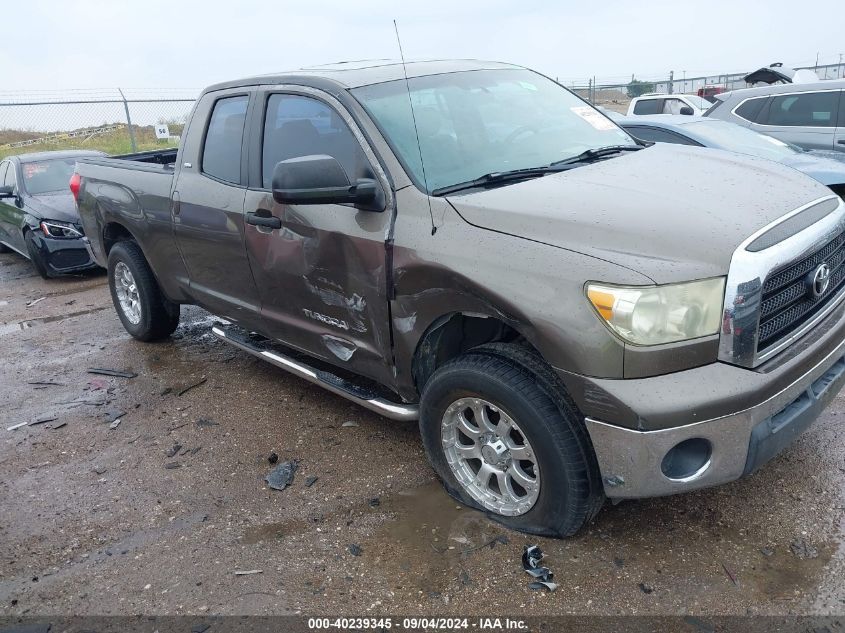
54	228
651	315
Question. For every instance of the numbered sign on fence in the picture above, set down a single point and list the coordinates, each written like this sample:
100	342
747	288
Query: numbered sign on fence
162	131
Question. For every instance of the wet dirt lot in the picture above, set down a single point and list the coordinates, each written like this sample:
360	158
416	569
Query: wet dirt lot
157	515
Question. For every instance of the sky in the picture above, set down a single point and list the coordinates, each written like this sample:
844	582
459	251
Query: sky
157	44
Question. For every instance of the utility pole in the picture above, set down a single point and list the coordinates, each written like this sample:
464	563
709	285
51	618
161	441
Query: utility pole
685	82
671	81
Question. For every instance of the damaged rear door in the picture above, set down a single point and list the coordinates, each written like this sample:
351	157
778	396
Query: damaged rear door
320	270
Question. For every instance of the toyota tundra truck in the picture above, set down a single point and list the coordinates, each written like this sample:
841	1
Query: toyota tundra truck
571	315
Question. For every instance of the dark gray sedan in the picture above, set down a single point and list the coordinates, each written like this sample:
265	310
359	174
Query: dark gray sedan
706	132
38	217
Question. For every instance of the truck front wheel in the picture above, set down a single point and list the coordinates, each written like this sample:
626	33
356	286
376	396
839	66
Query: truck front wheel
504	439
144	311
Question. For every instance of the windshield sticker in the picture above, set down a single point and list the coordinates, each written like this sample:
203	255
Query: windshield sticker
594	118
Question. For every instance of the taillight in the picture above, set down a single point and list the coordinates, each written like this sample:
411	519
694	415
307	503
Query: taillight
74	184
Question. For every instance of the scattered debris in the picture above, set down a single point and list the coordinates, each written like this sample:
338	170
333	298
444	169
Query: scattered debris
53	427
100	469
17	426
195	450
115	424
282	475
501	538
464	578
44	383
95	384
355	549
41	419
730	574
646	588
543	577
767	551
375	502
619	562
803	549
350	423
111	415
29	304
185	390
273	457
111	372
203	422
200	628
248	572
310	481
171	452
172	465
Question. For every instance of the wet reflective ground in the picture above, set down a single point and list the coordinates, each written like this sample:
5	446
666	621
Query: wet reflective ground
157	514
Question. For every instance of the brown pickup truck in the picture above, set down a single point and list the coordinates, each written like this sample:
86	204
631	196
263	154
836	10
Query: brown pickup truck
569	313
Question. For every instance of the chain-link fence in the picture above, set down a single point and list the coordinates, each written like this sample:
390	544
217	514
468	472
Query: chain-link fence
113	121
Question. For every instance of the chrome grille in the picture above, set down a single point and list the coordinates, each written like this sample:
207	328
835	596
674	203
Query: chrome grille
786	303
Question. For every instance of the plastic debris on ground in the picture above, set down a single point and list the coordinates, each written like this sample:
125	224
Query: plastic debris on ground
282	475
543	577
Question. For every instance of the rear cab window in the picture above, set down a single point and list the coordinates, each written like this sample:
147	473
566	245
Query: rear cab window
648	106
221	154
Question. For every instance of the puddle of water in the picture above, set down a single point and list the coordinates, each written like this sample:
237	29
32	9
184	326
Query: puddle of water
273	531
434	540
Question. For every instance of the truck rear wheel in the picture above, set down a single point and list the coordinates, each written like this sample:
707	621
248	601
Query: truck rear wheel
505	439
144	311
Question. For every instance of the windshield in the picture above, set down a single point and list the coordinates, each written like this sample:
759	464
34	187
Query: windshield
486	121
736	138
47	175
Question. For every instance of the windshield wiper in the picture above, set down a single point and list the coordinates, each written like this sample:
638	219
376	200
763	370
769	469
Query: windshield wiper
599	152
497	177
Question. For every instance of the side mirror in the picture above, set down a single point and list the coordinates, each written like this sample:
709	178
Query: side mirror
7	192
318	179
686	110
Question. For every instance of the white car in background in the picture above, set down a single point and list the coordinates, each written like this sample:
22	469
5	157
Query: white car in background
668	104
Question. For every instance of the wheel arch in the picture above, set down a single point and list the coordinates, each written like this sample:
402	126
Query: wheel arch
456	332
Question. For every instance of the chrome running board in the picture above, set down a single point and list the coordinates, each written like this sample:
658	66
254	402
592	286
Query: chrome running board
327	380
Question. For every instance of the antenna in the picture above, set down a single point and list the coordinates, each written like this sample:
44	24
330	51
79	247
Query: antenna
416	130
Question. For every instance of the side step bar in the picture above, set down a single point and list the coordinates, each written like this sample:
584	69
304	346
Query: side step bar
330	382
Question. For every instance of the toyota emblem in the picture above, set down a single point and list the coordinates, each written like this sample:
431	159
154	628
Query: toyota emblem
821	280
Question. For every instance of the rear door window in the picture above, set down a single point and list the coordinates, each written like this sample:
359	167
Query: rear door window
3	167
297	126
221	154
749	110
648	106
809	109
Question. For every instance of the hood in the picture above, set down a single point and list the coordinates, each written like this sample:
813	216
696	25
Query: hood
826	170
55	205
670	212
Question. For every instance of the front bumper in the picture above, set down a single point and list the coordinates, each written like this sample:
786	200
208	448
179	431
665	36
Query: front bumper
64	255
744	417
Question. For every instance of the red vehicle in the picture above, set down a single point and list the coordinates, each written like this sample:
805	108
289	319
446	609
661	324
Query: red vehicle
710	92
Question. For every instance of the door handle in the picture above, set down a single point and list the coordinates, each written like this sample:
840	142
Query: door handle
269	221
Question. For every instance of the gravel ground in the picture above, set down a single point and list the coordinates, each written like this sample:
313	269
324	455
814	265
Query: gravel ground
158	515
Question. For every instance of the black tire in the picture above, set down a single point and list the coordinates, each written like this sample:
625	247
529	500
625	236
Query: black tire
4	248
35	256
520	383
159	316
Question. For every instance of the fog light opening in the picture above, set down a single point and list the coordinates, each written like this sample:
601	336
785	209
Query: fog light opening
687	460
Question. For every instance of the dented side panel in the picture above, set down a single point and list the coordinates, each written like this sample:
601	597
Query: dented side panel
534	288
